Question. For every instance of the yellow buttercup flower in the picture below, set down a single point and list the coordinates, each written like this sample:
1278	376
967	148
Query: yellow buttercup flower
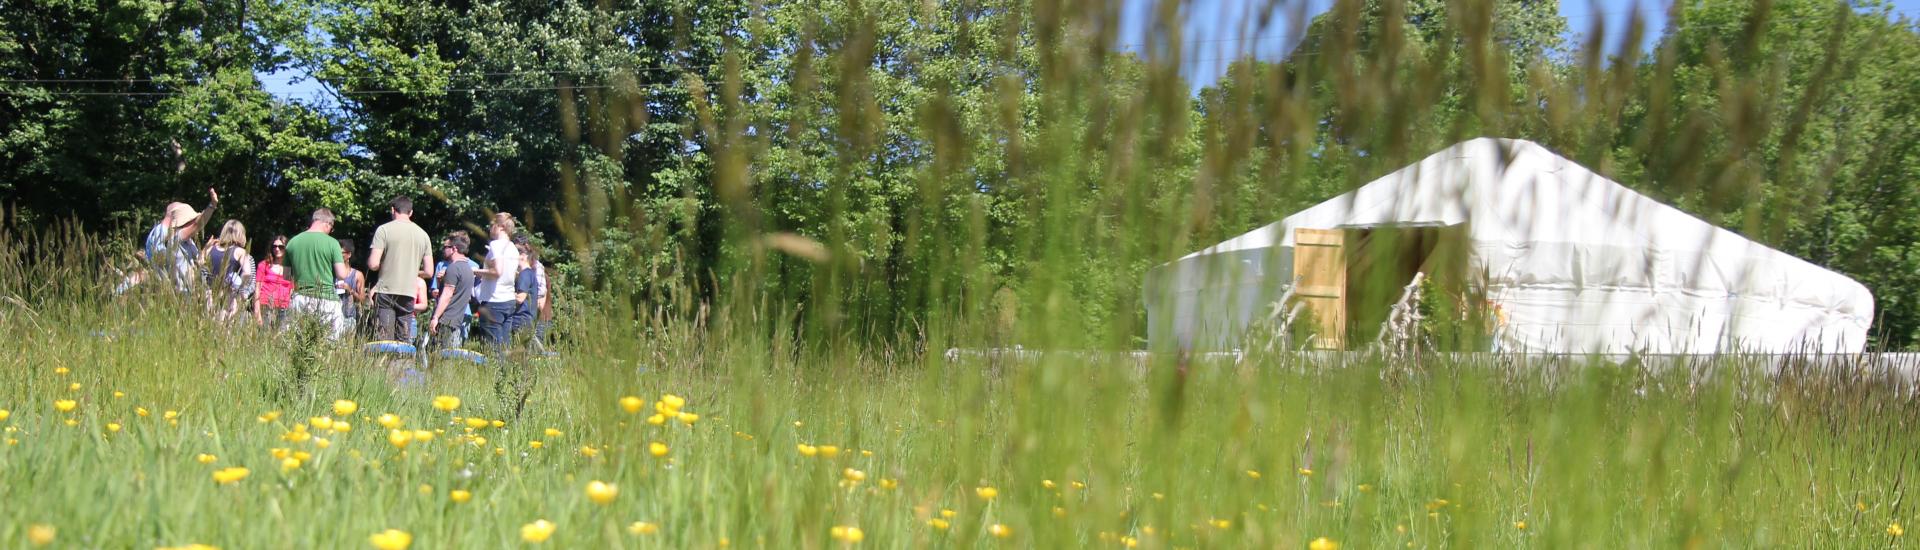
344	408
889	483
41	534
807	450
588	451
71	422
65	405
1220	524
657	419
321	423
1894	529
113	427
939	524
536	444
688	418
657	449
341	426
999	531
426	489
73	387
264	417
205	458
986	493
1255	474
459	496
280	452
117	394
399	438
141	412
829	451
673	402
853	475
499	424
632	404
551	432
642	527
170	415
1306	471
1047	484
422	436
1521	525
477	423
229	475
1059	512
846	534
945	513
289	464
601	492
537	532
391	539
61	371
1323	543
446	403
389	421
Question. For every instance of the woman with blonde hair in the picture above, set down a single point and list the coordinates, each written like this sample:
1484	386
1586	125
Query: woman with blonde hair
228	269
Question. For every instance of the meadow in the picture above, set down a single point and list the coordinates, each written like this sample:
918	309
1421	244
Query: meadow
130	423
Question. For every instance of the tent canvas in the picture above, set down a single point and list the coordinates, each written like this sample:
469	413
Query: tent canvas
1578	262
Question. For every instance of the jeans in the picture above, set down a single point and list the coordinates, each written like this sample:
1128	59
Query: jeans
391	312
326	310
494	324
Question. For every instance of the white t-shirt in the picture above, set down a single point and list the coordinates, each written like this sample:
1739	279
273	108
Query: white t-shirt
500	251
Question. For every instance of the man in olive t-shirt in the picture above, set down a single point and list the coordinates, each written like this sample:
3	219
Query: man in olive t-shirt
403	254
316	264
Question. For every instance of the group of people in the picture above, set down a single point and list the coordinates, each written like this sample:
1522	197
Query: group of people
311	274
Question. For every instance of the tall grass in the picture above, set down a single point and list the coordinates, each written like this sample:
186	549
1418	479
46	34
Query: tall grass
1083	450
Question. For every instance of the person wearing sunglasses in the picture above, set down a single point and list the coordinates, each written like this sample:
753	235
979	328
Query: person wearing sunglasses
276	286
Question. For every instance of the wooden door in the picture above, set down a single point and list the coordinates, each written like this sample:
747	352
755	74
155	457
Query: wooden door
1320	267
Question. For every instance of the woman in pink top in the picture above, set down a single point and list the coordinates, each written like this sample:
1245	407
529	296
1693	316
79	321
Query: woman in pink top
276	289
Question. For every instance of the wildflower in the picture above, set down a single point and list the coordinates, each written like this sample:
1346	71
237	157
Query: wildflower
1365	488
289	464
588	451
553	432
1078	485
601	492
391	539
1521	525
4	415
499	424
847	534
807	450
1306	471
321	423
459	496
477	423
642	527
999	531
938	524
73	387
389	421
536	444
205	458
422	436
829	451
322	442
344	408
632	404
170	415
1159	496
117	394
1059	512
1255	474
1858	506
264	417
1437	504
41	534
62	371
399	438
1894	529
657	419
689	418
426	489
448	403
341	426
673	402
945	513
853	475
1323	543
889	484
1047	484
657	449
229	475
986	493
71	422
1221	524
537	532
65	405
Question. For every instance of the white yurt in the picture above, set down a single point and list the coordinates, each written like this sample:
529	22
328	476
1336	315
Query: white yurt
1575	263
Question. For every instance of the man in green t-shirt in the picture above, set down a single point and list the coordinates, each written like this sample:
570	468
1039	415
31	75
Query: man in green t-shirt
317	265
403	254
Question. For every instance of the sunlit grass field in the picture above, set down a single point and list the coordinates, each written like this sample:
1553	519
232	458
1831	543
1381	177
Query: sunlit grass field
782	449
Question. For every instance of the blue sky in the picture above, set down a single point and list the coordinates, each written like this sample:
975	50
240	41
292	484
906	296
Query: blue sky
1219	31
